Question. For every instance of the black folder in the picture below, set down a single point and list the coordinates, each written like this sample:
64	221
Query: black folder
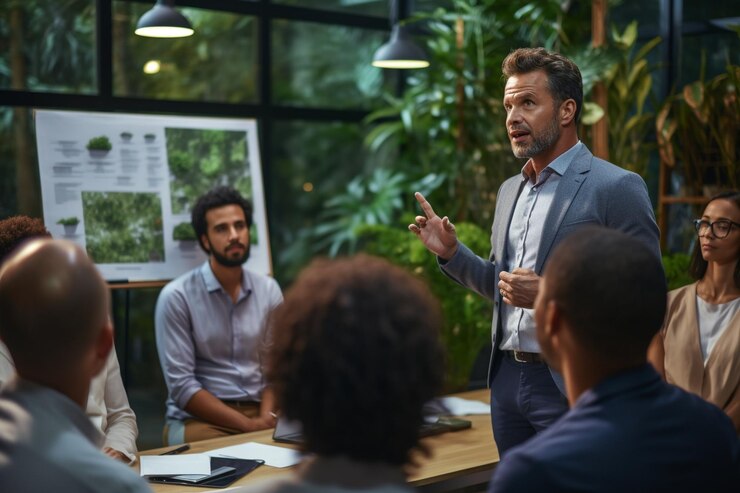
242	467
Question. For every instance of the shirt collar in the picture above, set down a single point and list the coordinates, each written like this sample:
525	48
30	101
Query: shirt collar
212	283
559	165
621	383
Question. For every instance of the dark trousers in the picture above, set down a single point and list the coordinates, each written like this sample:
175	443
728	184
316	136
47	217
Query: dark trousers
524	401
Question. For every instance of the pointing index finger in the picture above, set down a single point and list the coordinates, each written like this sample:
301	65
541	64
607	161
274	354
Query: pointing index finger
425	206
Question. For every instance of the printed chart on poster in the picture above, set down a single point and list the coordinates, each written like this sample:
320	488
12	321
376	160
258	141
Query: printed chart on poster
122	186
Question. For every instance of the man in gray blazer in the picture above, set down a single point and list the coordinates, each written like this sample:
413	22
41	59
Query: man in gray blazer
562	187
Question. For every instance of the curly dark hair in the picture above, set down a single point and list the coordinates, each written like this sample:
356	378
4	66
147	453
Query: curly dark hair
563	76
16	229
217	197
698	266
356	354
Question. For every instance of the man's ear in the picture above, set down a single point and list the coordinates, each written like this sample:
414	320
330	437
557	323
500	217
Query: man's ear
567	112
103	346
553	323
204	241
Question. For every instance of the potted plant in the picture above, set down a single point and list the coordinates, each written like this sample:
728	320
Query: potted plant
70	225
185	234
99	146
149	138
126	136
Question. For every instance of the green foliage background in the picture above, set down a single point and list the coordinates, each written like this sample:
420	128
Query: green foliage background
202	159
467	326
123	227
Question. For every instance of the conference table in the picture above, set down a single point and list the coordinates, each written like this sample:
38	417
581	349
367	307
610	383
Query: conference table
459	459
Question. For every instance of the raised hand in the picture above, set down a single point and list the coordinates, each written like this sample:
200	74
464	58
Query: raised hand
437	234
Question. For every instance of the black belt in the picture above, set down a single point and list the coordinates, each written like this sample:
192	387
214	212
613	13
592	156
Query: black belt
240	403
524	357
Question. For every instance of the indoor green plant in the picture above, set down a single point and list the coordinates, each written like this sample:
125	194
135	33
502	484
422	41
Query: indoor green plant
101	143
698	129
467	325
183	232
70	224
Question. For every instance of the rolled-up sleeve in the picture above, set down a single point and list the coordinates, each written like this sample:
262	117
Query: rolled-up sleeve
172	322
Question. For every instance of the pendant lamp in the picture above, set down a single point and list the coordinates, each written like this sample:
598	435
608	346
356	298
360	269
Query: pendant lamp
163	21
400	51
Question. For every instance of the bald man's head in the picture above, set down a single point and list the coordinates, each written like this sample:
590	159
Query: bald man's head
53	306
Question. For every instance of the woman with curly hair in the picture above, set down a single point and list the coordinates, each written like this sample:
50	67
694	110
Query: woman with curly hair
698	348
355	355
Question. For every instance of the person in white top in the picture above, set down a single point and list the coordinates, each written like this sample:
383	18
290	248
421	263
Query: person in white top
107	403
698	348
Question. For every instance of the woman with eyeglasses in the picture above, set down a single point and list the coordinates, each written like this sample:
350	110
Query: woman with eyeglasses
698	348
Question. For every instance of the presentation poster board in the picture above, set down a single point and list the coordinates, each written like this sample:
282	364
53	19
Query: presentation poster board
122	186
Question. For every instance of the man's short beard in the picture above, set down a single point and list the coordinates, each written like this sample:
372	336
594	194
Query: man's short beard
230	262
539	143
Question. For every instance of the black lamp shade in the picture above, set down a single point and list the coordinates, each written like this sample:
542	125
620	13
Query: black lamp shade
163	21
400	52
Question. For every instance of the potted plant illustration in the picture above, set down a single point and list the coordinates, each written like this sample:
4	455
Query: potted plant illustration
126	136
99	147
149	138
185	234
70	225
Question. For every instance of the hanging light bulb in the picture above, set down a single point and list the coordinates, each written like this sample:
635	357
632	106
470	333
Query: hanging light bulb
163	21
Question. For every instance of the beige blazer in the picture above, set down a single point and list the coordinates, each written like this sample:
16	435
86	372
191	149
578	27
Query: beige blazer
718	381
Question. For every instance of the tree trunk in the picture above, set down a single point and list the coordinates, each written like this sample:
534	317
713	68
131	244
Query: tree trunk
27	189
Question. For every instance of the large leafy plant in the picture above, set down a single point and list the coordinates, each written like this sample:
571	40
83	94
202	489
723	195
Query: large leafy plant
629	84
467	326
698	130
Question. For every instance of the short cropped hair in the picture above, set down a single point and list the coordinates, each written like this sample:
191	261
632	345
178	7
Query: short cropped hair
563	76
356	353
698	266
217	197
17	229
611	289
53	303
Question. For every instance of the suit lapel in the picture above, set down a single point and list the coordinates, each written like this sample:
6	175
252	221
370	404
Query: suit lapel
567	189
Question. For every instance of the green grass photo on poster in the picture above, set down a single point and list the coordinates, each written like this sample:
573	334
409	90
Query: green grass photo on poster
123	227
201	159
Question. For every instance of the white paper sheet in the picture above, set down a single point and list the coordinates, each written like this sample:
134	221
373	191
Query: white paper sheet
161	465
273	456
462	407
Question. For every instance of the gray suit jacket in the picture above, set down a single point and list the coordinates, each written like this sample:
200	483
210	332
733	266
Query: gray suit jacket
591	192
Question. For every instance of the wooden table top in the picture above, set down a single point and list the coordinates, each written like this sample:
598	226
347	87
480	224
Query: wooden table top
457	457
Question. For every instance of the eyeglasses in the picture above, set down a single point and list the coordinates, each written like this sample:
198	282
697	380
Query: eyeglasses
720	229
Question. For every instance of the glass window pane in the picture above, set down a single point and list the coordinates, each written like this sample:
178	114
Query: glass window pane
647	14
20	192
218	63
429	5
719	49
325	65
311	163
701	10
48	46
366	7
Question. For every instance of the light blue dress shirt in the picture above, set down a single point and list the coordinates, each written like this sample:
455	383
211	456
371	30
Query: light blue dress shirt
523	241
207	341
48	444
